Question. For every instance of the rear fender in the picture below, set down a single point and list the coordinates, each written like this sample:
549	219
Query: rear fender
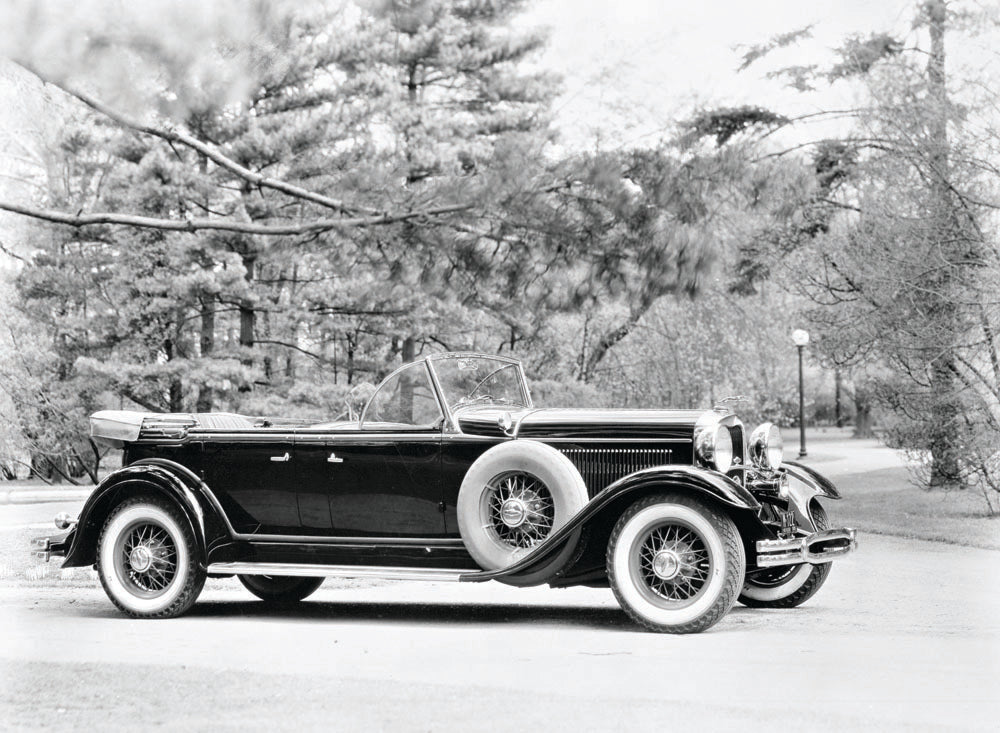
603	510
125	482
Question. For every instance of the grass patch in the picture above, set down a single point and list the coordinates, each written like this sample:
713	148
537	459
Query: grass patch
19	567
886	502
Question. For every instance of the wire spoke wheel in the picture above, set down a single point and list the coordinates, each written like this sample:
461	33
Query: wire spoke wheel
771	577
145	559
518	510
671	564
148	558
675	563
514	499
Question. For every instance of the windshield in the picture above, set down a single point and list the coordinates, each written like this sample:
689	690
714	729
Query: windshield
480	380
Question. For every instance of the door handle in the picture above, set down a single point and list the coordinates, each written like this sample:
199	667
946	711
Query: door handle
333	459
281	459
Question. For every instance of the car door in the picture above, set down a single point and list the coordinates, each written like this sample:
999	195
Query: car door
252	475
382	476
370	484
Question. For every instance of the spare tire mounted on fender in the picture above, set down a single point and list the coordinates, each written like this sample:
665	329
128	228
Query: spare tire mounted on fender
512	498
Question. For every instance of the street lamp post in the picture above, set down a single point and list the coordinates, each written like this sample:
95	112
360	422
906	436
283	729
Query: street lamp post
800	338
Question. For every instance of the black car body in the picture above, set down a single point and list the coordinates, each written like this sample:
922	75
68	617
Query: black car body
452	474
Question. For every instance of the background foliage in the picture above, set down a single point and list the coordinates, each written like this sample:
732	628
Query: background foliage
669	274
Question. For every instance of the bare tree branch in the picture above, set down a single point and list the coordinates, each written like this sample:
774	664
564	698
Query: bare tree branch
173	135
194	225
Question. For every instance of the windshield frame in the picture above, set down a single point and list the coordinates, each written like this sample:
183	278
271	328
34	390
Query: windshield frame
450	423
450	414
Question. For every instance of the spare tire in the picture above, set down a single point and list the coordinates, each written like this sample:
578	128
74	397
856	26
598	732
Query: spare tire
513	497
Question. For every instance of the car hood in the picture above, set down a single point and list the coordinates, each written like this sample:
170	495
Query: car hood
568	423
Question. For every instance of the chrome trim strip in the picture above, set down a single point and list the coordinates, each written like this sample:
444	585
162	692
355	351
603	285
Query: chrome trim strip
338	540
472	438
307	438
337	571
449	416
520	421
441	355
543	439
415	437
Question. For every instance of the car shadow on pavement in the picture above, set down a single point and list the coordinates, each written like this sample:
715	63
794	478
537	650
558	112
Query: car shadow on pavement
420	613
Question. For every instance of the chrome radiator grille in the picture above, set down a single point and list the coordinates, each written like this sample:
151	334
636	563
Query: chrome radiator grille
601	467
736	434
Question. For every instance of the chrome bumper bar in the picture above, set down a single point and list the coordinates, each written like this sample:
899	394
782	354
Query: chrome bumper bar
40	548
819	547
44	548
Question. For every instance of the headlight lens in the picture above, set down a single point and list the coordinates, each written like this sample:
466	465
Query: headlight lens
715	448
723	458
766	447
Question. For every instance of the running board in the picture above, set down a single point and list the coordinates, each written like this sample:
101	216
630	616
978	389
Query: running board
306	570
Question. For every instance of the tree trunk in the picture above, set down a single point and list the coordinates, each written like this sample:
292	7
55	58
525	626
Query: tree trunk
206	341
175	391
350	357
864	426
837	385
945	408
95	475
603	346
248	314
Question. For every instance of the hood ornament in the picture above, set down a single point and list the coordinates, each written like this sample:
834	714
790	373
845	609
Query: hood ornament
726	404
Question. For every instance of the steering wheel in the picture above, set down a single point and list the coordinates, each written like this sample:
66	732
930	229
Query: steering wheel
469	400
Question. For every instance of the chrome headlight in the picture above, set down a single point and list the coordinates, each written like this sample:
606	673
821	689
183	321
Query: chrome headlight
714	447
766	448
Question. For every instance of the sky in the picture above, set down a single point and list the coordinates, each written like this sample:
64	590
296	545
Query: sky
631	67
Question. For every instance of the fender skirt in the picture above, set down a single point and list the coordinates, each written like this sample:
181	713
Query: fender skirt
683	478
160	478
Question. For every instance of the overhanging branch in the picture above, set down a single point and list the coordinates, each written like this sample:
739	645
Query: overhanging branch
225	225
173	135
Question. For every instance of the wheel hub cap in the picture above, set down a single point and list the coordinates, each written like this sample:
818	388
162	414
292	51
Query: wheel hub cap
666	565
140	559
513	512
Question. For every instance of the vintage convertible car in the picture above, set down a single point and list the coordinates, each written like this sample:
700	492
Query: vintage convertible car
451	474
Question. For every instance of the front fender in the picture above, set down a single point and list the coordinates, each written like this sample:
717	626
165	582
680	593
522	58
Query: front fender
737	501
808	484
122	483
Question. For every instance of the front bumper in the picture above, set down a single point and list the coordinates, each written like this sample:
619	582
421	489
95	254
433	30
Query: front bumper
818	547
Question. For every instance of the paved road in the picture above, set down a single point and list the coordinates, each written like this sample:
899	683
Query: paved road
37	516
905	636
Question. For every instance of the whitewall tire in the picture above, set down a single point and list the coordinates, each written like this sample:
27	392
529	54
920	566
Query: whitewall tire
675	563
280	588
513	497
146	559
